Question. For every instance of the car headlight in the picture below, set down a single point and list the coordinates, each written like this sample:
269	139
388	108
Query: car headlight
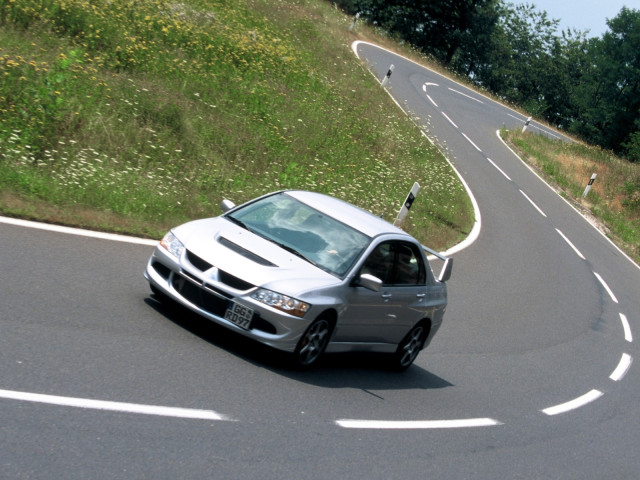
281	302
172	245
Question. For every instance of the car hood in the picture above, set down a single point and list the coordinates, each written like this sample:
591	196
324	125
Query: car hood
248	256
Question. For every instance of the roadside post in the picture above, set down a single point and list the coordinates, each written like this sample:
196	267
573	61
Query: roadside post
385	80
526	124
355	19
586	190
407	204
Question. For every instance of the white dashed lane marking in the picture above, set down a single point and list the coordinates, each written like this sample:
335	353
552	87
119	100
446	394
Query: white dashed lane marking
113	406
606	287
571	244
418	424
627	329
622	368
573	404
533	203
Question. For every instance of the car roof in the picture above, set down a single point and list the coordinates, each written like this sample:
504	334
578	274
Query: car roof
362	220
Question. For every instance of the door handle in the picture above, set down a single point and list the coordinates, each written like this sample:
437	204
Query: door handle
386	296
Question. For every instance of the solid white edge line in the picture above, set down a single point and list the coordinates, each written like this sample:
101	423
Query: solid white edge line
573	404
545	130
77	231
471	238
622	368
571	244
418	424
499	169
606	287
354	47
475	233
113	406
532	203
627	329
477	225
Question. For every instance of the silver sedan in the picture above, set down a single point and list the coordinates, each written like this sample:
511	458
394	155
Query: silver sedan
305	273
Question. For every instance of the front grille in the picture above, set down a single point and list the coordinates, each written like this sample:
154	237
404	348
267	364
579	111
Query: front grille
212	303
190	275
198	262
218	291
233	282
200	297
226	278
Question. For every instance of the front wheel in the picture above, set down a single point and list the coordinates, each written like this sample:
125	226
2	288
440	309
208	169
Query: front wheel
313	343
409	348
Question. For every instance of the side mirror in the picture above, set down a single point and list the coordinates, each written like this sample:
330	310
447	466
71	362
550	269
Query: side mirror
367	280
447	268
227	205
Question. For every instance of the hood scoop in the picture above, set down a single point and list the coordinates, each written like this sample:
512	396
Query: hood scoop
245	253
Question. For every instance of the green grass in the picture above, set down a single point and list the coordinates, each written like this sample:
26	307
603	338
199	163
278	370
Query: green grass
614	198
136	116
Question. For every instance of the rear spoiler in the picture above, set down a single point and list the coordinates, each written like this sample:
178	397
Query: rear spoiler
447	268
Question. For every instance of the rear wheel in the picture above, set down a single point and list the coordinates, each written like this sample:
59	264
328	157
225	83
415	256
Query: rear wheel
313	343
409	347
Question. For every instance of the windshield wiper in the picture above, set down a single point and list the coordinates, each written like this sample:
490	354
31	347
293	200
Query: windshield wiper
295	252
238	222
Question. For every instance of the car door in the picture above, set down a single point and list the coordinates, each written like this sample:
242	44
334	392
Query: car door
387	315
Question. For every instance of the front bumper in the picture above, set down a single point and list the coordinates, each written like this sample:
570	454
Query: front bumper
184	281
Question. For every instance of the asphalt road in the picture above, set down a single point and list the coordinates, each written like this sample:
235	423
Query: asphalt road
530	376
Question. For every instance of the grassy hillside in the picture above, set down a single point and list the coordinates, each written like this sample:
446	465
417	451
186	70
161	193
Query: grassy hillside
134	116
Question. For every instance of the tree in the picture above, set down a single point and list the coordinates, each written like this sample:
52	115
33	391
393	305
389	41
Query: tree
607	100
632	147
519	60
591	86
621	50
478	41
437	27
569	80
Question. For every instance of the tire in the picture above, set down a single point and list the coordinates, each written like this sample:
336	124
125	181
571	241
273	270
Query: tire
409	347
313	343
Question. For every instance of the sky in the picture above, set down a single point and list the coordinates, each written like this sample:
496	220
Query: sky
582	14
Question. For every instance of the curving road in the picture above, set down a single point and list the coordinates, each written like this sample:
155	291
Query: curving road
531	375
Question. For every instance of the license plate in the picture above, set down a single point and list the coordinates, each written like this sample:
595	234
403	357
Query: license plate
239	315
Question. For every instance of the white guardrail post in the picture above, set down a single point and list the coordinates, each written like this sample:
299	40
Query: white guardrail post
407	204
586	190
355	19
385	80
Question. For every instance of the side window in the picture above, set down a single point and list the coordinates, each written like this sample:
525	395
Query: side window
408	266
396	263
380	263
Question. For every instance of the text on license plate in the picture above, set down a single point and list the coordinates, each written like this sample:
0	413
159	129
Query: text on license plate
239	315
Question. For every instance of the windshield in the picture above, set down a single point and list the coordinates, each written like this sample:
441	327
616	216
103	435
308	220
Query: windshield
299	228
